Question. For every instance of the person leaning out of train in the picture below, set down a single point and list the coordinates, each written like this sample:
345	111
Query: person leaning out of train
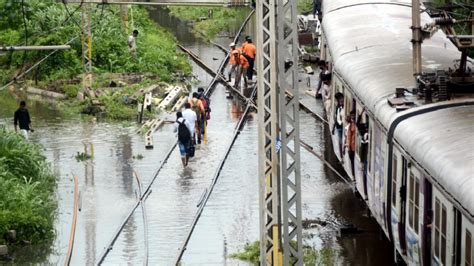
350	138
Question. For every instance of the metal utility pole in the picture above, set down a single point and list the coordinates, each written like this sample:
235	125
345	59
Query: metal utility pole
417	40
86	38
34	48
279	144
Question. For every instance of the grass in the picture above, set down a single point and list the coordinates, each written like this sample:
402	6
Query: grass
81	157
27	202
311	256
223	19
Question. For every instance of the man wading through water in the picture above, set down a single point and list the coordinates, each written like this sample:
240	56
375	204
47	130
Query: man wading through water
183	128
22	118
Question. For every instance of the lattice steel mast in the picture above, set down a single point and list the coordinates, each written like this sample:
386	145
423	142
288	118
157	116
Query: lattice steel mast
279	168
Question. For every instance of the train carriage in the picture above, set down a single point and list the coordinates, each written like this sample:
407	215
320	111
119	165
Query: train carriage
417	171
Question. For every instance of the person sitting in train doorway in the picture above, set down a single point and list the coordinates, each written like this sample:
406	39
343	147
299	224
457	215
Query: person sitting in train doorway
363	128
350	139
324	75
338	119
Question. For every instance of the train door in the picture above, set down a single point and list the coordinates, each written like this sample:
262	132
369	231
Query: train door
361	150
349	106
427	221
442	230
402	192
414	216
467	244
337	113
395	199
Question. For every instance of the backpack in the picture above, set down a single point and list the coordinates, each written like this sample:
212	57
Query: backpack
196	109
184	136
206	102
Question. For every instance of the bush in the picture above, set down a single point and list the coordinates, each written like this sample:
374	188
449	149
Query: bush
48	24
223	18
27	202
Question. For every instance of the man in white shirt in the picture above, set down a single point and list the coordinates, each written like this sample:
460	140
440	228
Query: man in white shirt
191	117
132	45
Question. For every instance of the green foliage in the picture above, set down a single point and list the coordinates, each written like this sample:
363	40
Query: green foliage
305	6
311	256
251	253
49	23
223	19
81	157
27	202
71	90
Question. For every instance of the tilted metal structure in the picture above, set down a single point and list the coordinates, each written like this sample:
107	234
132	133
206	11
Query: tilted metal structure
279	144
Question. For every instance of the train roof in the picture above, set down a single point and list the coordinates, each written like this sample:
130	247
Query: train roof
443	142
370	48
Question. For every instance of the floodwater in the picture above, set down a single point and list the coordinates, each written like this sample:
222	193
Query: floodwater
230	219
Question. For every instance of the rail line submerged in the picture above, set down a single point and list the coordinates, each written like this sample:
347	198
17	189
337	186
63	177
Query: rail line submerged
208	92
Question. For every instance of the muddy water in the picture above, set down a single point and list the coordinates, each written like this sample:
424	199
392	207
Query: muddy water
231	217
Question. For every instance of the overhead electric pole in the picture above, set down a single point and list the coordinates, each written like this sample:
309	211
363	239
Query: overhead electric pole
279	144
86	38
416	37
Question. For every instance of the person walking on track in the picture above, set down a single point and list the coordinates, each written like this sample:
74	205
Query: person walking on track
249	51
183	128
244	65
191	117
198	108
233	65
22	120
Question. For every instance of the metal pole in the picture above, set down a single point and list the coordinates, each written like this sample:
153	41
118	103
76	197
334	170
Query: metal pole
86	45
267	132
416	33
35	48
287	40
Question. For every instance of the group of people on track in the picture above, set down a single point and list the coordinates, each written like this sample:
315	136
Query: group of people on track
241	62
191	124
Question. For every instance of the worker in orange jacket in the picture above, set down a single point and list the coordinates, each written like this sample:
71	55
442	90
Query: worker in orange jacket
244	65
234	66
249	51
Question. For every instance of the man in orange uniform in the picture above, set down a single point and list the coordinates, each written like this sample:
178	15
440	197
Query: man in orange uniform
250	51
198	108
244	65
234	66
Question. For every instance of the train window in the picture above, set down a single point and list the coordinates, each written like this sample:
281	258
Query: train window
440	231
414	203
468	249
394	181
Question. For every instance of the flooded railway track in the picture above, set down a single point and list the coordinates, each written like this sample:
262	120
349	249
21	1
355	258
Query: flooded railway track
208	92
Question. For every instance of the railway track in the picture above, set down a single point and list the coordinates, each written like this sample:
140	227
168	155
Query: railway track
145	194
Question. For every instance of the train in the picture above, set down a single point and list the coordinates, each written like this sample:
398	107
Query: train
413	160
